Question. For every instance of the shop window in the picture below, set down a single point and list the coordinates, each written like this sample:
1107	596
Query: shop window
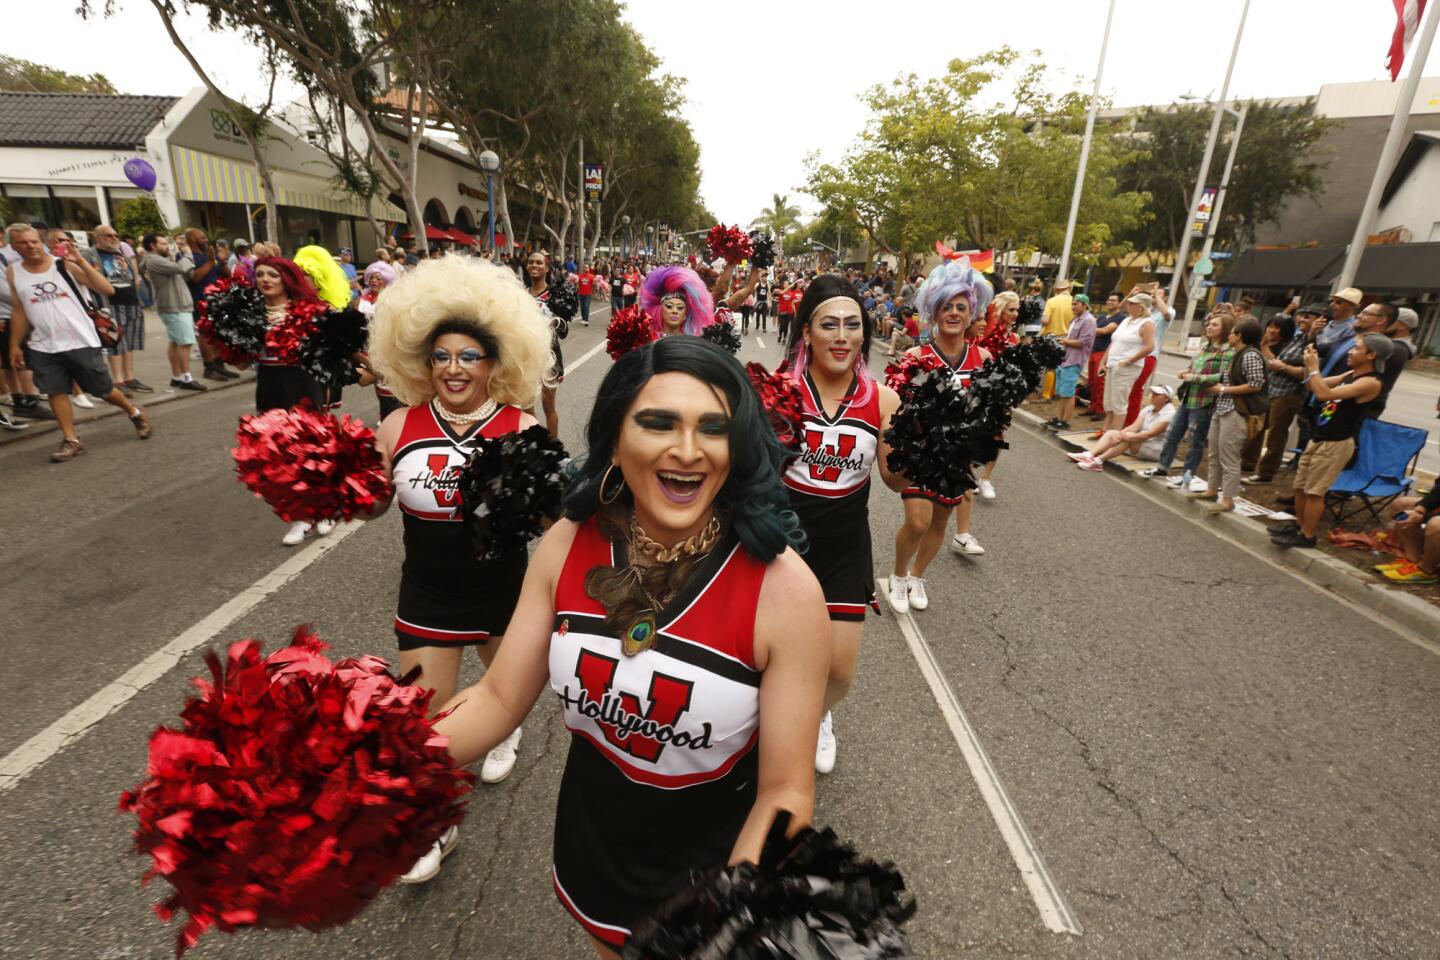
79	208
28	203
435	214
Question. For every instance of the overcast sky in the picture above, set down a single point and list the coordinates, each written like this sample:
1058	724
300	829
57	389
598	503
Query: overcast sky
771	80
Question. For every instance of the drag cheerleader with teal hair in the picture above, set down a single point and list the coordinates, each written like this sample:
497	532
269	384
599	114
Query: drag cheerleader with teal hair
953	301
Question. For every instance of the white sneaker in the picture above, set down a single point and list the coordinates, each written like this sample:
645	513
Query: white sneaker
987	490
918	600
323	527
825	746
428	866
500	761
83	402
297	533
1173	481
965	543
899	594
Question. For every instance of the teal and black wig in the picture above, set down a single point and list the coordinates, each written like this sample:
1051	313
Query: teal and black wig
752	497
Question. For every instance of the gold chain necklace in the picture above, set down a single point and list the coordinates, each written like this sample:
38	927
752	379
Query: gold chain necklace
640	634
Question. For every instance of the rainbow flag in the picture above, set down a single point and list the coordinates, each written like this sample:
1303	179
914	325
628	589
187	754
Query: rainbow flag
982	260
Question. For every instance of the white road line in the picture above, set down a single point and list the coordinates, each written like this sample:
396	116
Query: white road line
1054	910
761	342
24	759
585	356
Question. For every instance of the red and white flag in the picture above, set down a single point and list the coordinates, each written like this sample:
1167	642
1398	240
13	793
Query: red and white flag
1407	22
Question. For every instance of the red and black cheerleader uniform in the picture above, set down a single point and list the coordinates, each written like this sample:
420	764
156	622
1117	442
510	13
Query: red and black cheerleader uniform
829	487
556	376
961	368
280	381
663	758
447	597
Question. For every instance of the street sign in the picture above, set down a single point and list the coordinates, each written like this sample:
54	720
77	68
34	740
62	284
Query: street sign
1221	255
1207	284
1204	267
594	182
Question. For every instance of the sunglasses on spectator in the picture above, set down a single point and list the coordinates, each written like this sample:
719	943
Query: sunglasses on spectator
467	358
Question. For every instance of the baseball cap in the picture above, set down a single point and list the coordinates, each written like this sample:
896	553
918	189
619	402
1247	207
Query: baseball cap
1161	388
1380	345
240	244
1407	317
1141	298
1349	295
1080	298
1315	310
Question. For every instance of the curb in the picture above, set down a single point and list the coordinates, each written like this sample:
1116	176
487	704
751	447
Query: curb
42	427
1405	610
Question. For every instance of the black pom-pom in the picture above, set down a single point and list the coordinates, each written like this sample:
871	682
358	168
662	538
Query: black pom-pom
232	317
722	333
1034	358
564	302
1031	310
328	354
507	487
811	897
762	252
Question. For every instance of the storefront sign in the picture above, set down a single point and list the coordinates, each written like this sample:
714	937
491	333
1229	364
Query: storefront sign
224	127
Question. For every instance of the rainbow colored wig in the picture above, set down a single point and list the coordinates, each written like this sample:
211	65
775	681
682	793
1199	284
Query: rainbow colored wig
951	279
665	281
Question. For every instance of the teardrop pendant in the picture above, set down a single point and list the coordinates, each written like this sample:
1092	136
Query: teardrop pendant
640	634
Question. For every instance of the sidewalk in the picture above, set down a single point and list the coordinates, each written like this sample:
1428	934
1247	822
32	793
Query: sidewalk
151	367
1346	572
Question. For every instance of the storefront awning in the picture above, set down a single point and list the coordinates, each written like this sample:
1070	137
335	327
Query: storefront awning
1288	269
1396	268
208	178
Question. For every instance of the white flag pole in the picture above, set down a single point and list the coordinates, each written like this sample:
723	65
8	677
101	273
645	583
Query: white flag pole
1418	55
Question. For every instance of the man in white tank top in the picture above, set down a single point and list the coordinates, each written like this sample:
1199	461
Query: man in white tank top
64	349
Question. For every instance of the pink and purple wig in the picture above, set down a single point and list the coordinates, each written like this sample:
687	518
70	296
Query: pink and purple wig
684	282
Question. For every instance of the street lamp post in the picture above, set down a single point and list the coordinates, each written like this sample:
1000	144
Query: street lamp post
1183	256
1210	228
490	162
625	237
1085	153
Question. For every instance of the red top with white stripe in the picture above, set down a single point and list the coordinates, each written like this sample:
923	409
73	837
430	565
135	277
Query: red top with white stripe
840	450
684	711
429	455
964	368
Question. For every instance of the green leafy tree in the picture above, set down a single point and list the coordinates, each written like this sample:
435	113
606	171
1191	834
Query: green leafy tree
139	216
1280	156
23	75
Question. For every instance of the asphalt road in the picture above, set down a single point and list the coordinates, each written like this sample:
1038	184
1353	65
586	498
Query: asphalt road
1212	758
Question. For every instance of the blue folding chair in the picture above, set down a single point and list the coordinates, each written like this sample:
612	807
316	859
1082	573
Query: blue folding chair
1385	455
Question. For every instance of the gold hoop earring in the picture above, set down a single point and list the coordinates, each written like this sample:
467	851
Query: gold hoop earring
606	479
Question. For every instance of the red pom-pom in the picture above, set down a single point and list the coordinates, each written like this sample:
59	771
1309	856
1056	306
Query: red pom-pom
629	330
899	374
310	466
780	395
731	243
284	340
294	792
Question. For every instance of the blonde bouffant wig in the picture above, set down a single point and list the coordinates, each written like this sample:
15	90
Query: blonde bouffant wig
464	295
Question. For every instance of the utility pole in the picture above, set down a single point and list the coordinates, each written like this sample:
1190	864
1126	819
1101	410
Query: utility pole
1366	226
1214	225
1182	258
580	235
1085	150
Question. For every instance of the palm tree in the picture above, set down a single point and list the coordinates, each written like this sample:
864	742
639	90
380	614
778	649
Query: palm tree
778	217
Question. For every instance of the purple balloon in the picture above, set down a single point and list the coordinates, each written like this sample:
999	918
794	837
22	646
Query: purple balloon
140	173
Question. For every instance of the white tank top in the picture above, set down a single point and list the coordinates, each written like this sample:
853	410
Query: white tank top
1127	340
57	321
